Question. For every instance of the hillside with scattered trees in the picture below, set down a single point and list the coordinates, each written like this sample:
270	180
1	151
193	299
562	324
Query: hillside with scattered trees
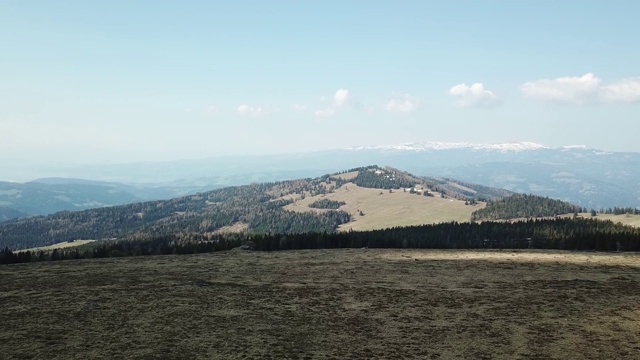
257	205
389	178
463	190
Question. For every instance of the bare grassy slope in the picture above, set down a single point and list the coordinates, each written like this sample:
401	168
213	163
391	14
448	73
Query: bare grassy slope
626	219
338	304
348	176
382	209
62	245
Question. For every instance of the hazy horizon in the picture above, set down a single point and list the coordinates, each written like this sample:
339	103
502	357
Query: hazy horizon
123	82
184	169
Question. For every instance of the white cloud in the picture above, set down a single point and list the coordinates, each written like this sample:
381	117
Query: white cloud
298	107
585	89
252	111
212	110
406	104
473	96
324	113
566	90
625	90
341	97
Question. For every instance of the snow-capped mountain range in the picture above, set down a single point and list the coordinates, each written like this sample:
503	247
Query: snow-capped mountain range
439	145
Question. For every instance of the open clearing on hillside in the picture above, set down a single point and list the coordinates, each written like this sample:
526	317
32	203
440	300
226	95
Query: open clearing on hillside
347	176
626	219
325	304
238	227
62	245
383	209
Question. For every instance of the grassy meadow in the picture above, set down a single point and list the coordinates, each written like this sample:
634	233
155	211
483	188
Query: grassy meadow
325	304
61	245
625	219
383	209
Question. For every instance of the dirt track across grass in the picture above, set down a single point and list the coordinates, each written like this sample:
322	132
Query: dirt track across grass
325	304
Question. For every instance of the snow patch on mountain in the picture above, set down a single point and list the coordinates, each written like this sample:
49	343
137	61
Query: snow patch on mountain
575	147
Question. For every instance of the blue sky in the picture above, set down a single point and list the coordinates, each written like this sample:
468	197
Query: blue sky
158	80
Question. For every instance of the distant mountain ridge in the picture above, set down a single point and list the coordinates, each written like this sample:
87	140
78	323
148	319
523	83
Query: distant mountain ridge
579	174
50	195
7	213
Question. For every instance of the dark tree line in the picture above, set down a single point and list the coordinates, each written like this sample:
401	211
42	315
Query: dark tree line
524	206
326	204
561	233
297	222
620	211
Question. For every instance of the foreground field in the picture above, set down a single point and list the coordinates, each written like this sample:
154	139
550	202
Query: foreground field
325	304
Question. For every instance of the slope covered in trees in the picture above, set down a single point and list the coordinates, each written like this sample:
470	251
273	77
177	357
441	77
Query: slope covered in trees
523	206
256	205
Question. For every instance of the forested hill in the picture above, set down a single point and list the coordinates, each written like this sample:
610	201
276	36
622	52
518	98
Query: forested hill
524	206
257	208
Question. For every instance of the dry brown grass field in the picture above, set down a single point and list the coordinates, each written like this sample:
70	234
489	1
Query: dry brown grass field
325	304
383	209
62	245
626	219
348	176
